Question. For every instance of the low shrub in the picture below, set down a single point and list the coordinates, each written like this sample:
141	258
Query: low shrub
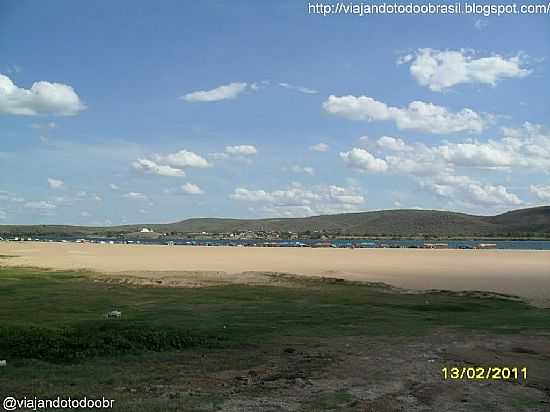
95	339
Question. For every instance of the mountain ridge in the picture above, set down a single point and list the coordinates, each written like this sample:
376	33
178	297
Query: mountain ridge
397	222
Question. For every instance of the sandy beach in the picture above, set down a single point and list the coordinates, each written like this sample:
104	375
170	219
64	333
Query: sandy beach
517	272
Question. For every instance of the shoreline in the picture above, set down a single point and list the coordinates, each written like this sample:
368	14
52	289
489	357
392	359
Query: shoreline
523	273
342	243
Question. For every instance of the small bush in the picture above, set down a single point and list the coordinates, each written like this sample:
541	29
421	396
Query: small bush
97	339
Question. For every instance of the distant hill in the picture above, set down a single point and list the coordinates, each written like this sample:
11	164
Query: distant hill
518	223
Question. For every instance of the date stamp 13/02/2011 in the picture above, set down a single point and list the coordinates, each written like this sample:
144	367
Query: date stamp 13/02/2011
503	373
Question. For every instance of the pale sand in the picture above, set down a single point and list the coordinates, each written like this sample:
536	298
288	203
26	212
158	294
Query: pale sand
519	272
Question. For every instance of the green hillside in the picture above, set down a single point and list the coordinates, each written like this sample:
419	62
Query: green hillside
518	223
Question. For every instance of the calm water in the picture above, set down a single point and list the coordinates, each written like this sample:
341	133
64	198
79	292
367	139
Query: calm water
412	243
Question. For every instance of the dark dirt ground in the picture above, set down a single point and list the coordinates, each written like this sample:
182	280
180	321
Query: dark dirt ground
372	374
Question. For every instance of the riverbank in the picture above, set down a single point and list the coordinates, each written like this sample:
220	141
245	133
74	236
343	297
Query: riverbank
515	272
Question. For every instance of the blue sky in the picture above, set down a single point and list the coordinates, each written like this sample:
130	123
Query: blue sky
121	112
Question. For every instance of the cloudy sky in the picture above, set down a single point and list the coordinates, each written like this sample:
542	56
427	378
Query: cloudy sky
130	111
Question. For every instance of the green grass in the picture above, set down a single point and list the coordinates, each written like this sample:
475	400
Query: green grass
334	401
54	334
60	315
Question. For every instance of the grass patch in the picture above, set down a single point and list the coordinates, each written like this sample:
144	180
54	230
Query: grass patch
56	339
91	339
334	401
59	316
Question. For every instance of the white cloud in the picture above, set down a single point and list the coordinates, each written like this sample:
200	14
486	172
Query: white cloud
440	70
364	140
182	159
135	196
443	168
492	195
468	191
149	166
241	150
113	186
300	201
344	196
491	154
303	169
85	214
241	193
42	98
56	183
224	92
417	115
218	156
41	205
171	164
541	191
526	147
361	159
423	162
89	196
191	189
392	143
319	147
301	89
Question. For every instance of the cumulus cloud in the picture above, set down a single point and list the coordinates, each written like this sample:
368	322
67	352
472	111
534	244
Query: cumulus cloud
300	89
490	154
440	70
135	196
56	183
151	167
465	190
113	186
363	160
542	192
224	92
171	164
445	168
418	115
392	143
319	147
524	147
241	150
43	98
297	200
182	159
191	189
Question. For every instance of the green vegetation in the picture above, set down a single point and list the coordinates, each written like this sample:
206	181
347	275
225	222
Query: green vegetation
334	401
428	224
60	316
56	338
